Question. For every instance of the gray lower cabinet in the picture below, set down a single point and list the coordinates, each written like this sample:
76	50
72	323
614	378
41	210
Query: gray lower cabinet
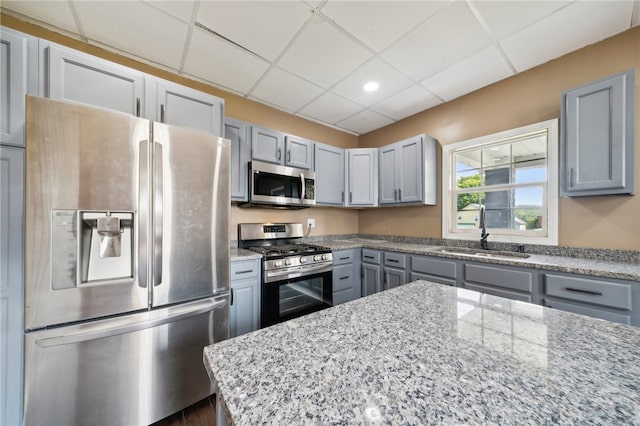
236	132
371	272
244	312
394	272
361	177
598	137
329	167
505	281
346	276
11	283
613	300
442	271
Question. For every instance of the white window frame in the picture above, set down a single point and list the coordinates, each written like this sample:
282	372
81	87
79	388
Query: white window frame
449	202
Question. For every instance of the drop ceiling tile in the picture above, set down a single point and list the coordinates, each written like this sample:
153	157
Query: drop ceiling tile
364	122
263	27
55	14
573	27
390	80
323	54
506	17
238	70
479	70
182	9
285	90
408	102
380	23
452	34
330	108
136	28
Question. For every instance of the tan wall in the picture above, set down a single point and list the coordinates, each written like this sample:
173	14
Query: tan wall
529	97
328	221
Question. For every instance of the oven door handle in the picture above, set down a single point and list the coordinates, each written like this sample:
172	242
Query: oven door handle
303	187
272	276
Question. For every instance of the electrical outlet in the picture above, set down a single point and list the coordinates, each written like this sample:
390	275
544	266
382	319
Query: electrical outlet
311	223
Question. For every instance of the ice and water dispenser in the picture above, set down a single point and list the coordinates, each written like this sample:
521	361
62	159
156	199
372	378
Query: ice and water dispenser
91	247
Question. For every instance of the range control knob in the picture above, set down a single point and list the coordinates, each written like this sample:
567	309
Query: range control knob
324	257
287	262
278	263
303	260
316	258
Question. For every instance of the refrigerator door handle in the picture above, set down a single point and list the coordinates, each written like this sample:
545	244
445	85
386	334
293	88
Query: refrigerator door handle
143	212
131	323
157	214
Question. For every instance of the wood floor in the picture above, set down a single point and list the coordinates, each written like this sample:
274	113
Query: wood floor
202	413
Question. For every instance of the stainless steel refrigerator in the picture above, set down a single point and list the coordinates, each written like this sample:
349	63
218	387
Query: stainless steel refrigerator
127	265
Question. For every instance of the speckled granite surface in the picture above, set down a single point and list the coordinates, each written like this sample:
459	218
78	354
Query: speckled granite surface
425	353
243	254
588	266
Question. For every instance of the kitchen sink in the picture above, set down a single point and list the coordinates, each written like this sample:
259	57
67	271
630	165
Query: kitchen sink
491	254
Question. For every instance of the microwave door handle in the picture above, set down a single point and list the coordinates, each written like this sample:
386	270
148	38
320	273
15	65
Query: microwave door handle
303	188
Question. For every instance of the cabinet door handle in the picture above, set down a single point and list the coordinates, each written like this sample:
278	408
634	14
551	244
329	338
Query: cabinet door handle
342	197
394	260
231	301
288	156
579	290
344	258
279	153
395	195
246	271
399	194
368	257
344	278
350	197
162	113
137	107
571	177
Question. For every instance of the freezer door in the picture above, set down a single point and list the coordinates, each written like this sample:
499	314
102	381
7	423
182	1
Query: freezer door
191	208
86	204
130	370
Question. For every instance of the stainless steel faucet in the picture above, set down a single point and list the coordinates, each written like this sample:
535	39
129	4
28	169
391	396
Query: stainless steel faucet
483	234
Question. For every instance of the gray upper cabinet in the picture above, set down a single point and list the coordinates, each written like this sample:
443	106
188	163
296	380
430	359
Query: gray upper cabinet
408	172
597	151
11	282
361	177
182	106
276	147
267	145
18	76
329	166
236	132
69	75
298	152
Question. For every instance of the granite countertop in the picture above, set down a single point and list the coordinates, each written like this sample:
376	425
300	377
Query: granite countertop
425	353
243	254
594	267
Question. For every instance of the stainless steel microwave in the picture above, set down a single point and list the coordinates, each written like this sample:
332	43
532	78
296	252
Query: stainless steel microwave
273	185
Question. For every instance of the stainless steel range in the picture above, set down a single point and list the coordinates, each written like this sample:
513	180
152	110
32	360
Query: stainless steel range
296	277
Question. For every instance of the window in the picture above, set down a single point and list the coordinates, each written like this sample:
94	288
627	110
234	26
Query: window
514	175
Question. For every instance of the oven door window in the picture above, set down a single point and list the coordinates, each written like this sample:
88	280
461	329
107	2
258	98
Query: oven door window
272	185
287	299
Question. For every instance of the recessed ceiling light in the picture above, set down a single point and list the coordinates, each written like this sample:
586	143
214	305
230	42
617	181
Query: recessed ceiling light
371	86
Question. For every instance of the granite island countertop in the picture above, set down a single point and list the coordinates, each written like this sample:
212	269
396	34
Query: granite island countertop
425	353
